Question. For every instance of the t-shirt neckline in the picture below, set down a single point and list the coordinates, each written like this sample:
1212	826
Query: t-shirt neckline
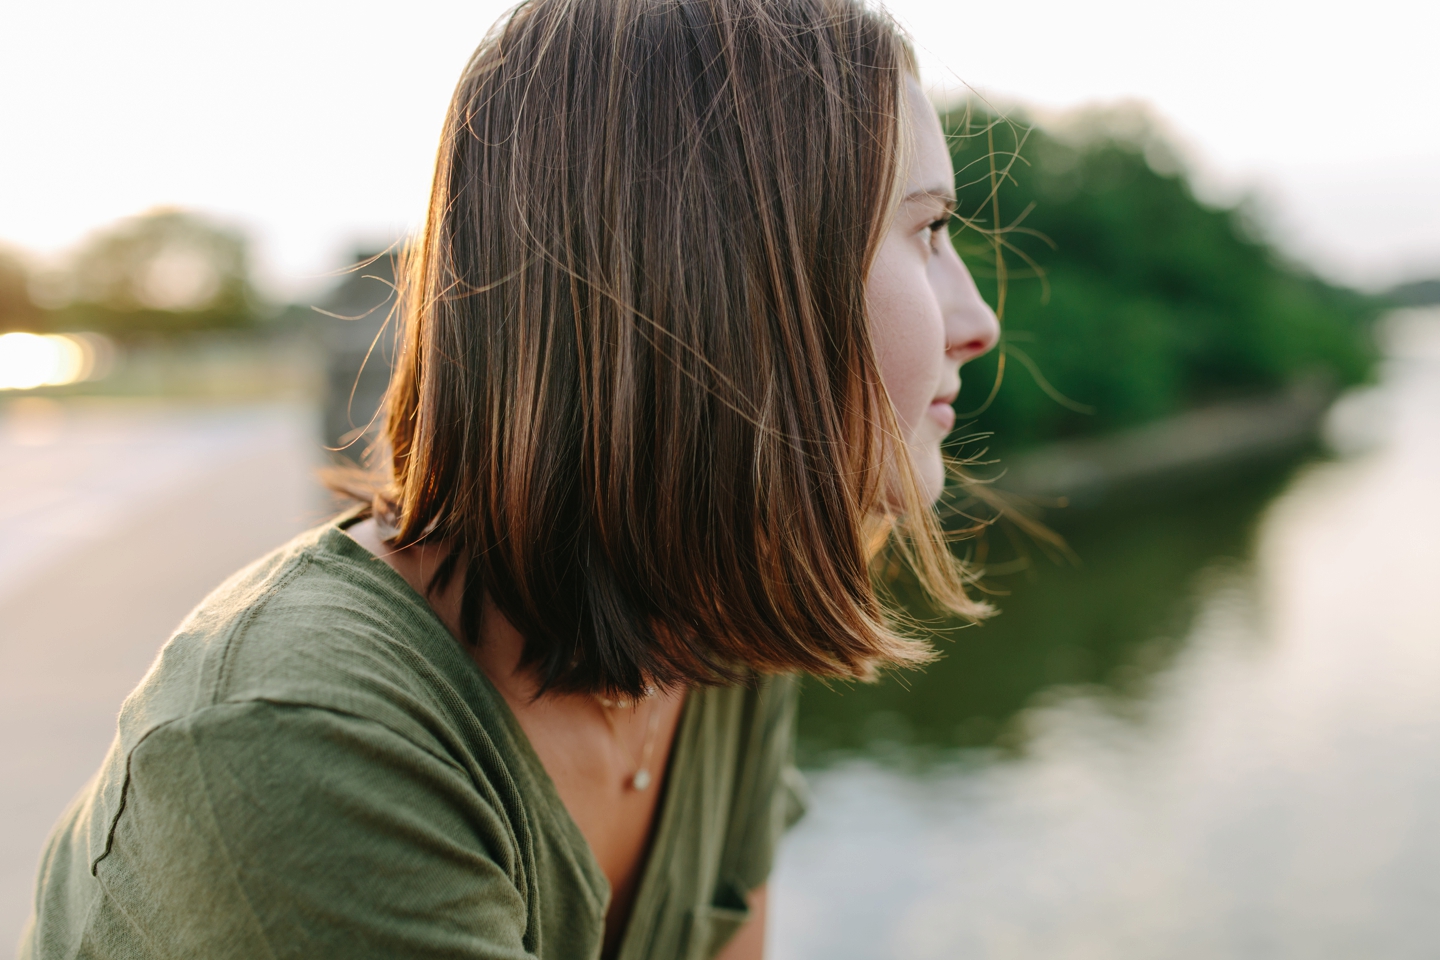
337	541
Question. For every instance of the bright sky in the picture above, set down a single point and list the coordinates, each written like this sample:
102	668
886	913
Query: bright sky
313	123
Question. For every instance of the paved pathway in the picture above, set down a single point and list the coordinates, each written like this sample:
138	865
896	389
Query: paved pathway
115	519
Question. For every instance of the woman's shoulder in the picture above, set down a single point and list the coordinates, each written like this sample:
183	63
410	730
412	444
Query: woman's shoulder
313	714
317	623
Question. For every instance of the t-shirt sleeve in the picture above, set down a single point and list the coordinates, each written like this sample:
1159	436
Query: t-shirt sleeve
267	830
770	792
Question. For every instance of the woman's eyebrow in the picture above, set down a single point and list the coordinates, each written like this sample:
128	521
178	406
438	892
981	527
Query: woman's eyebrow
944	196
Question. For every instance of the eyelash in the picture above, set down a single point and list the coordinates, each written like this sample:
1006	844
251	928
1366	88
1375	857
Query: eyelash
938	228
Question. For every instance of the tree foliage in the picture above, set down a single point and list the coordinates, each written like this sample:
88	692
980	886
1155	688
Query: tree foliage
1124	297
163	272
17	310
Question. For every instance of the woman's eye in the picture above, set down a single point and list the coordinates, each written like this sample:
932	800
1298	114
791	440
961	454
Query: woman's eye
939	228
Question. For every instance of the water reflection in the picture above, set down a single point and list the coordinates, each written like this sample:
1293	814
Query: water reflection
1263	784
1110	619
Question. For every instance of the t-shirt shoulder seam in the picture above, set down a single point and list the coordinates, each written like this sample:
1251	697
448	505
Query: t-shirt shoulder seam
192	715
246	618
209	698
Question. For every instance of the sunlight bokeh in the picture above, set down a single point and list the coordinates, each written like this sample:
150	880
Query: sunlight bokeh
30	360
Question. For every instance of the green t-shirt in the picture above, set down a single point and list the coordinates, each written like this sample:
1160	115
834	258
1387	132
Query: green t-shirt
315	768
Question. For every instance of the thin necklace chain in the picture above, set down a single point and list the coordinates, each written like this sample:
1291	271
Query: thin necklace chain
641	778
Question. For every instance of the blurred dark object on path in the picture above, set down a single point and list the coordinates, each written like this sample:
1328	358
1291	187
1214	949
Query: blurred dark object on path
357	334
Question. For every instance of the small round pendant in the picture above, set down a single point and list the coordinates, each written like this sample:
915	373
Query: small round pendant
641	780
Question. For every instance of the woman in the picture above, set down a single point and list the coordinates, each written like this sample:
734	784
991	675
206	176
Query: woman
682	334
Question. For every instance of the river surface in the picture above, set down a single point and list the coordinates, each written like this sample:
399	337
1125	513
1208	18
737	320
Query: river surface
1217	736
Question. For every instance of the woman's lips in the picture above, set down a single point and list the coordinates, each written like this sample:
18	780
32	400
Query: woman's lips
943	414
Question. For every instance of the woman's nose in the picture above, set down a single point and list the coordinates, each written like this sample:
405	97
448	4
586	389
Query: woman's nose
971	327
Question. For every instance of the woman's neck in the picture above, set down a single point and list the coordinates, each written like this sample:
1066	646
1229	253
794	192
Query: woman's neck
588	750
499	656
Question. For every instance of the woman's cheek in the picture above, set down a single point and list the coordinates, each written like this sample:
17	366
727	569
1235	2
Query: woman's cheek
909	339
913	379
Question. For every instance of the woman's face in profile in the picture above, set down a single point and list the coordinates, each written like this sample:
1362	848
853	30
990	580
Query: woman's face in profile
926	316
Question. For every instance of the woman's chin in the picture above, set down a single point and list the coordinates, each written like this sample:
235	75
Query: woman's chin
930	473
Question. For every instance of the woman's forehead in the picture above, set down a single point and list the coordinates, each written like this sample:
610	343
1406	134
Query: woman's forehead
930	170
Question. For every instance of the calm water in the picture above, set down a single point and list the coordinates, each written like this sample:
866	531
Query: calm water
1219	736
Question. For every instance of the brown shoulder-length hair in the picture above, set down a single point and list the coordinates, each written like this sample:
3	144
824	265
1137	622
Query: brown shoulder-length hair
636	397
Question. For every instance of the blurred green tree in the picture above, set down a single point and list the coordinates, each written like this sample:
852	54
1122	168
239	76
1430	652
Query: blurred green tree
166	271
17	310
1124	297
